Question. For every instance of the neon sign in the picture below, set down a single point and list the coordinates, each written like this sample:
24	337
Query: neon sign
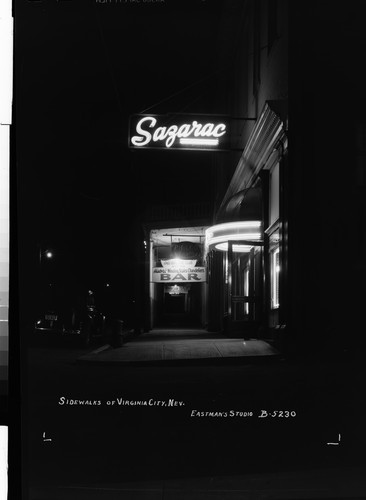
249	232
199	132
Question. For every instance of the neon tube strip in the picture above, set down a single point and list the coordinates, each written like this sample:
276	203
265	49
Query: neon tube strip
233	237
235	225
200	142
236	248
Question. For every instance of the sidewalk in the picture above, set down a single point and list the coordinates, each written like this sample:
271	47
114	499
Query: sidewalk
178	345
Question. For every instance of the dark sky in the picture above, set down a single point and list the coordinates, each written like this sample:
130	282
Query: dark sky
82	67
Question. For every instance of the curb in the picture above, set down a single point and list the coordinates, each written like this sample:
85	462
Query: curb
101	349
118	339
235	360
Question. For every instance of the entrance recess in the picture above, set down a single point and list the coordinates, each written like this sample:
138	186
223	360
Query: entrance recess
181	306
177	277
240	284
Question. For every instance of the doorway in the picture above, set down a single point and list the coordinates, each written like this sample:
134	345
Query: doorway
181	306
243	289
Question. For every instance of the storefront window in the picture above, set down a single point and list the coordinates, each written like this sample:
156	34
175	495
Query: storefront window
275	272
274	194
274	235
275	265
246	289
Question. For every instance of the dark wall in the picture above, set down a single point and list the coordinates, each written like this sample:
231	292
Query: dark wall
327	200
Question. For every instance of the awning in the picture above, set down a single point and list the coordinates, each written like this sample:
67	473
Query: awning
246	205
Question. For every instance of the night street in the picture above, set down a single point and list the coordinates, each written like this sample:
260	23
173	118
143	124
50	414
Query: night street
187	186
110	440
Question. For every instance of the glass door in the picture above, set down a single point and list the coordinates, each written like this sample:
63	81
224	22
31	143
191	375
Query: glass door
244	290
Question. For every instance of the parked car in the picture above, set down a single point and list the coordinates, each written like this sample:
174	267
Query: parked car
70	315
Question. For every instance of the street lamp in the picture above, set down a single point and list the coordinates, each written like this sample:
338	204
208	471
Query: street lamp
48	254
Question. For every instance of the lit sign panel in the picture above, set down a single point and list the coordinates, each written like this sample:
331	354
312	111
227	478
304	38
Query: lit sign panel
176	131
166	263
178	274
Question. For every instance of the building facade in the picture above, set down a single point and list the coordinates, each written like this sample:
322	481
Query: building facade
246	246
284	247
293	195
